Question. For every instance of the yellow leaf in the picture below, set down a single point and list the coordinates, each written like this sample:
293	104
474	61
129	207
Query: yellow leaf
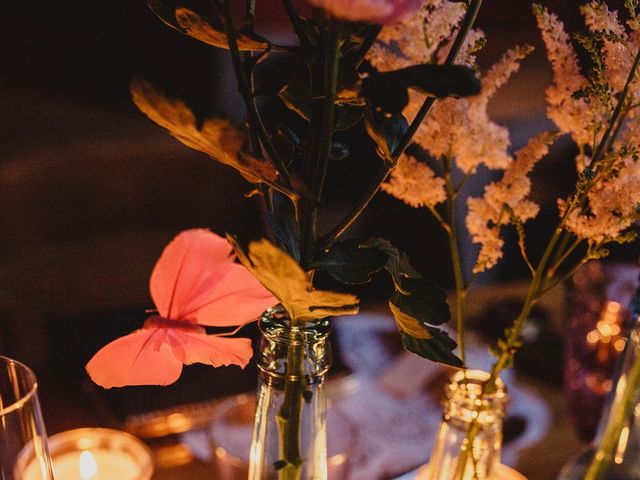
195	26
408	324
218	138
282	276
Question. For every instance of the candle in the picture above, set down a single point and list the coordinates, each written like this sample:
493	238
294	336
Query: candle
502	472
92	454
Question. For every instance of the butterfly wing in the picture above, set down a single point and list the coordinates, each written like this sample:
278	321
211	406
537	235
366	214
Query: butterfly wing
184	271
144	357
237	298
195	346
197	279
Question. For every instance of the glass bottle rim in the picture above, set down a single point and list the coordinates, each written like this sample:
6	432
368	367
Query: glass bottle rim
26	373
470	381
274	323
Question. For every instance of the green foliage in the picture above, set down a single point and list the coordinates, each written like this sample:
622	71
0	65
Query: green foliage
423	300
416	303
387	91
438	348
281	219
387	132
351	262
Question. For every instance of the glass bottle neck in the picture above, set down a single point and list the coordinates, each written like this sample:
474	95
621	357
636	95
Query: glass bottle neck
459	454
280	340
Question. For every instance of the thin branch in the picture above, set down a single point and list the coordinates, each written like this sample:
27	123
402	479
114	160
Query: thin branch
569	274
244	87
297	25
558	263
617	111
353	215
445	226
456	259
322	129
367	44
250	14
385	169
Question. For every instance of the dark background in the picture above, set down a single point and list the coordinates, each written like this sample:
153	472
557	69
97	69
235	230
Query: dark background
91	191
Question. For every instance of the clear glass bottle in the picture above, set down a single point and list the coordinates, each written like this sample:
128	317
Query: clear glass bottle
289	435
614	454
466	409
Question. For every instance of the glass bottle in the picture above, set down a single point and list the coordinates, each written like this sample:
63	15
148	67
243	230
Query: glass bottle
289	435
467	409
614	454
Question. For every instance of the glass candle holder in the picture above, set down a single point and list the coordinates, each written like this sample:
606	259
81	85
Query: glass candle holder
21	424
92	454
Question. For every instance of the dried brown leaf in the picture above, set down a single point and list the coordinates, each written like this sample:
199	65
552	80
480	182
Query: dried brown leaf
218	138
197	27
282	276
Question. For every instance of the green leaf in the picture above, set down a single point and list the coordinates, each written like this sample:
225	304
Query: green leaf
284	226
398	264
422	300
197	20
439	80
386	132
297	95
351	262
417	304
339	151
275	76
387	92
439	348
347	116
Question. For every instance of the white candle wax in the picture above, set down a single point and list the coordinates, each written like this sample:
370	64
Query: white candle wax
91	454
112	465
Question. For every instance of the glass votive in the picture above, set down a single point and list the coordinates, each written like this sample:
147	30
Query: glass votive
502	472
231	431
21	425
92	454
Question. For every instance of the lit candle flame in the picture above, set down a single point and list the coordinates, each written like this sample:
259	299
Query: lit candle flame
88	466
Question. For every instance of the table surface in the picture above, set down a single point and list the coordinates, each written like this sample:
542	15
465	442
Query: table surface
64	410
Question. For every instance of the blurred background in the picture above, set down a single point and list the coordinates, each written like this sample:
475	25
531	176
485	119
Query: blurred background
91	191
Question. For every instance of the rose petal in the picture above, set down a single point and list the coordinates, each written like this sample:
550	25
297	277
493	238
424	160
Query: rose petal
374	11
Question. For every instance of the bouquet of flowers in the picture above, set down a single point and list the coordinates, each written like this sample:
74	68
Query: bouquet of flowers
397	74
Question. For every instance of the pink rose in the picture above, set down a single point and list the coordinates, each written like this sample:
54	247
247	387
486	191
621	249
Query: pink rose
371	11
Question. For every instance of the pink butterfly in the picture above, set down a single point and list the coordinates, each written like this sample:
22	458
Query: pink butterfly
195	282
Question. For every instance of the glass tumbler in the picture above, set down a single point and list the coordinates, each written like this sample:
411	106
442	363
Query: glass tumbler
22	431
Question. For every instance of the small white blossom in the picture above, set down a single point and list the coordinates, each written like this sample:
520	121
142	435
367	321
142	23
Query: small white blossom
505	201
461	128
570	115
612	205
415	184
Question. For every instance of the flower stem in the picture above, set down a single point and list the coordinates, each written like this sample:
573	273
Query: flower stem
456	262
244	87
289	417
383	173
297	25
620	411
554	255
321	133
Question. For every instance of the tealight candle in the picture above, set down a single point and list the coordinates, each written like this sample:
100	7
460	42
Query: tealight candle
92	454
